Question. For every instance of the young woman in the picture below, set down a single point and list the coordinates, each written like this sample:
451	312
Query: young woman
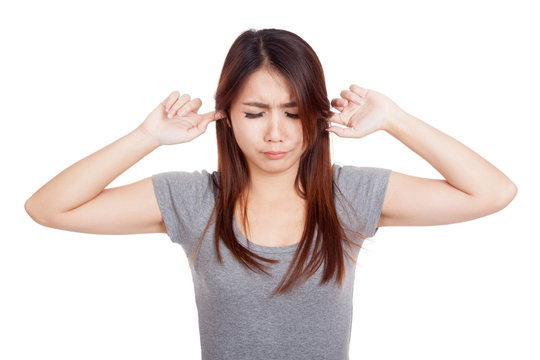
273	235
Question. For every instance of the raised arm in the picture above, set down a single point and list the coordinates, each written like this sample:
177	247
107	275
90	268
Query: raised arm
76	199
472	188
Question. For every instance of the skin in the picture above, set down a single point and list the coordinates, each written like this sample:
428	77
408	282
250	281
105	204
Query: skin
77	198
275	129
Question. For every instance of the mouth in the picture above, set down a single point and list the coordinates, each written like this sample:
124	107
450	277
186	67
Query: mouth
274	155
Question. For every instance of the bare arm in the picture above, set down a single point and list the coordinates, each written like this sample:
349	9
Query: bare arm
462	168
88	177
76	199
472	188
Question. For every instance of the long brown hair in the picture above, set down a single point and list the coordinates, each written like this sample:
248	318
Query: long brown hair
289	55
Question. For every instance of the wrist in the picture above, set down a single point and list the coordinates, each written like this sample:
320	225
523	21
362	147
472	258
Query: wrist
145	137
394	121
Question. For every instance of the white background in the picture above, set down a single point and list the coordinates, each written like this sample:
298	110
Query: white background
76	76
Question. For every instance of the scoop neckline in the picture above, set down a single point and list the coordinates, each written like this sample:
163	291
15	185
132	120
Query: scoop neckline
262	248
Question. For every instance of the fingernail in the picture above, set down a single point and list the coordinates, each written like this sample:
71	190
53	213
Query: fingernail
169	115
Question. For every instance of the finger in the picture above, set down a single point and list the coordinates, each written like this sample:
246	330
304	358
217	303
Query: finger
358	90
340	131
349	95
220	115
339	103
337	118
170	100
192	105
197	106
208	117
178	104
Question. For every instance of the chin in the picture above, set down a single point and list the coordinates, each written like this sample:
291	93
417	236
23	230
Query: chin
276	166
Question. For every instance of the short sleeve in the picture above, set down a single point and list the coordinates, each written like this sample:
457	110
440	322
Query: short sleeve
183	199
364	188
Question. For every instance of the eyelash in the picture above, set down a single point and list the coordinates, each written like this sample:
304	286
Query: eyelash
251	116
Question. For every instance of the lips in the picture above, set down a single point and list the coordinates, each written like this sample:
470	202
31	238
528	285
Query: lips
275	155
275	152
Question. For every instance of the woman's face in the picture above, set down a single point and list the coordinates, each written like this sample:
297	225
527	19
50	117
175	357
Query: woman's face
265	119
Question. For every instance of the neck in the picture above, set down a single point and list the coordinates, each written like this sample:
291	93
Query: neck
270	187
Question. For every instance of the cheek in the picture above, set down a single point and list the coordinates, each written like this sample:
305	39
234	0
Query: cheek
298	134
243	135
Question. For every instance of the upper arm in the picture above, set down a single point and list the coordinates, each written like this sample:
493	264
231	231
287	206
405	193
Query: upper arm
128	209
412	200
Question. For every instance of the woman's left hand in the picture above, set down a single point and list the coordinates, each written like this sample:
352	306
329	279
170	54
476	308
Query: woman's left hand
362	111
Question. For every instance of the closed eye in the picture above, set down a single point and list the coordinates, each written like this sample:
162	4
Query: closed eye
251	116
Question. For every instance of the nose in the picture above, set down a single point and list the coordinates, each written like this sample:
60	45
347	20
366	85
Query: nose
274	129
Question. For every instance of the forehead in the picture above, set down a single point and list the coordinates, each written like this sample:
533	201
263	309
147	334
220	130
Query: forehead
266	87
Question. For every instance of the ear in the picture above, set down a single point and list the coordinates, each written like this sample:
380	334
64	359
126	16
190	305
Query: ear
221	115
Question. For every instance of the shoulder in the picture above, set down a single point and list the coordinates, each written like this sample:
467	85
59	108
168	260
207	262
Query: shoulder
350	176
185	199
183	180
361	189
187	186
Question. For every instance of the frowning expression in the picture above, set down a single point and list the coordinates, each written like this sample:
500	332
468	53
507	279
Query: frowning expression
266	124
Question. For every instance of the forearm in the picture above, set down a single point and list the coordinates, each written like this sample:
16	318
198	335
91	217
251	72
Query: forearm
88	177
461	167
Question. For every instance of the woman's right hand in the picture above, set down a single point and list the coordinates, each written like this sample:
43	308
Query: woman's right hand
175	120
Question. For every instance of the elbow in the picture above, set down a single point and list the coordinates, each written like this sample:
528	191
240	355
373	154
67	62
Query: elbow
511	191
496	200
507	195
30	209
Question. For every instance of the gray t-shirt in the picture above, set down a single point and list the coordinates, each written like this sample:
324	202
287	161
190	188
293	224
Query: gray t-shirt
237	317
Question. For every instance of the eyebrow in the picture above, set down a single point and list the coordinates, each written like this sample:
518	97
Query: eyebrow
266	106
